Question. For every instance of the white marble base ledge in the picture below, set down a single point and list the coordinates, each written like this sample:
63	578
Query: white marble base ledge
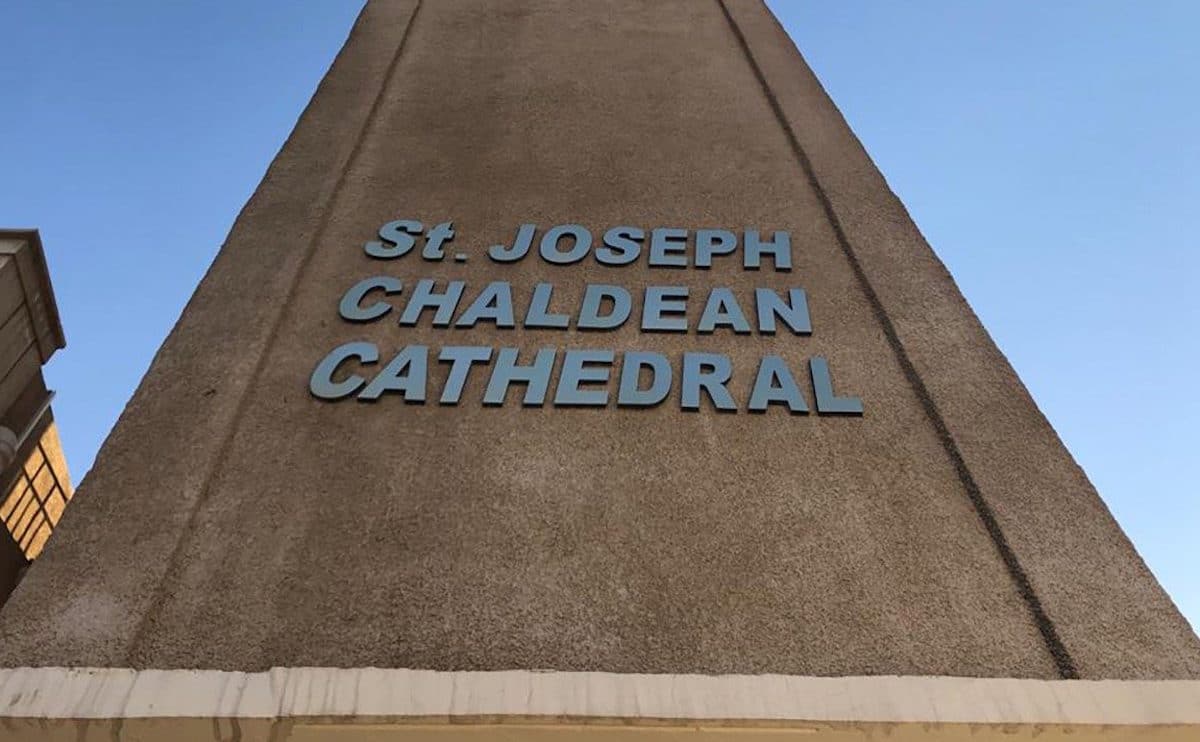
301	703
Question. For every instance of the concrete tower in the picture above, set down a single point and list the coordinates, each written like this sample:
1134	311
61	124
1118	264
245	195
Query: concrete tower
585	338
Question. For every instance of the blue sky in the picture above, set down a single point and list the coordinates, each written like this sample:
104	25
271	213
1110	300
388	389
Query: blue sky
1048	151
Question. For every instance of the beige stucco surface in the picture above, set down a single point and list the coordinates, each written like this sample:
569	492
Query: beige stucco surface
232	522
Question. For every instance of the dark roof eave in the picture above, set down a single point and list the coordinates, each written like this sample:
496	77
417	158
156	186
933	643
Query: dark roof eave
35	241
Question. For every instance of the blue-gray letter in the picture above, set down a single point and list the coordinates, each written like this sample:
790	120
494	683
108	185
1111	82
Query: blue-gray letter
405	374
460	358
708	371
667	247
620	246
665	300
321	383
722	309
710	242
424	298
775	383
779	248
794	313
630	394
539	309
520	246
493	303
578	234
397	239
506	372
827	402
575	372
589	312
351	307
434	241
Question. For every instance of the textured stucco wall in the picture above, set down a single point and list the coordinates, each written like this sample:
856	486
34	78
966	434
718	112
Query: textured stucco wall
233	522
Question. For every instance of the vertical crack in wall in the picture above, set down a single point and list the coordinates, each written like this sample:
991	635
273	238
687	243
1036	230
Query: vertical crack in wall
1058	651
310	249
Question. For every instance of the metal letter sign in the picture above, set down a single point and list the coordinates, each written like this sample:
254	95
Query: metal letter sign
585	378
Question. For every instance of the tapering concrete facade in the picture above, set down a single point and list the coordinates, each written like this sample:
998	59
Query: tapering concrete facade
325	465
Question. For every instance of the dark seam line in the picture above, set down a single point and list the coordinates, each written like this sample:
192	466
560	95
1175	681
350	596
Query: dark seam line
1058	651
310	250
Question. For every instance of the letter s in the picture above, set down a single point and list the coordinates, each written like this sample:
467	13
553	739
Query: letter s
398	239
